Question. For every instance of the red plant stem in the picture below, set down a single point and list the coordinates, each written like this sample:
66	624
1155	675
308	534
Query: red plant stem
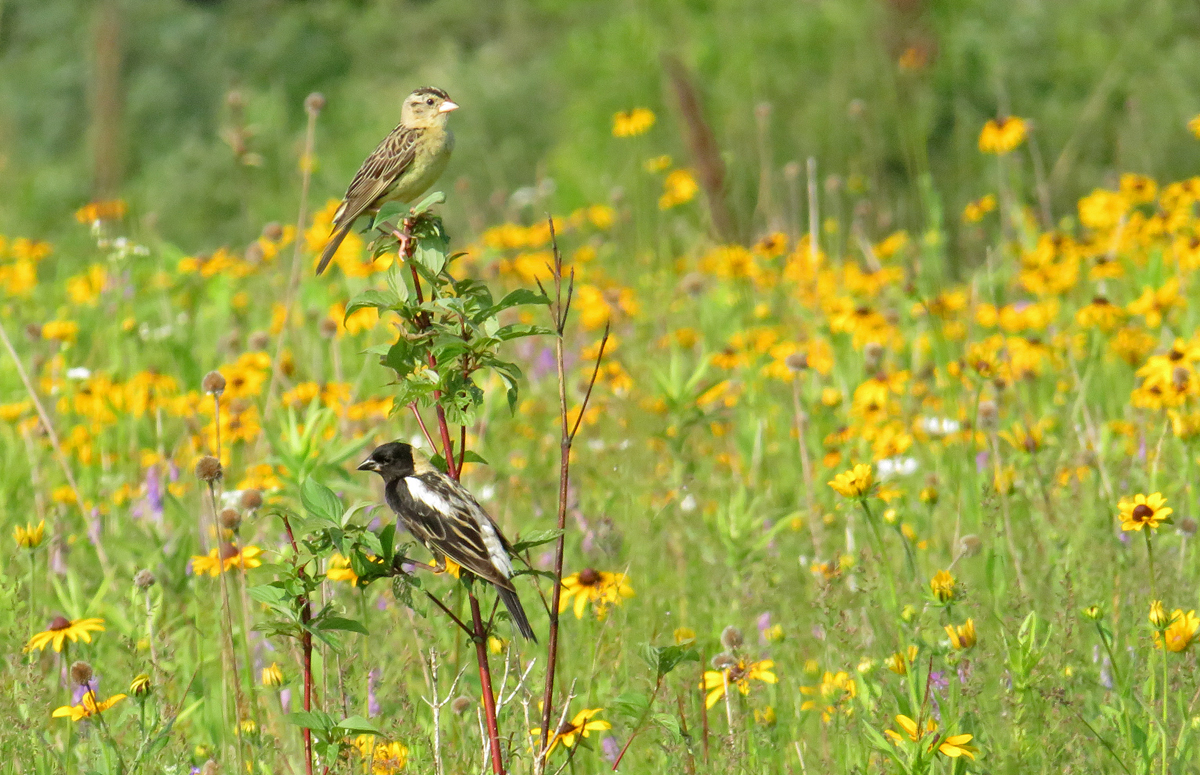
485	680
306	647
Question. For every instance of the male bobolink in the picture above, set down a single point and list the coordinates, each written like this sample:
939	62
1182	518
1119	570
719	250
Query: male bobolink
404	166
441	514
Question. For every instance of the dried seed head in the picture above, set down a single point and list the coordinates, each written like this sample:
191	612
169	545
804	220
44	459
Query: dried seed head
1179	378
33	331
692	283
329	328
791	170
989	413
208	469
723	661
81	672
872	356
235	99
969	545
314	103
732	638
213	383
1187	526
461	705
251	500
143	579
258	340
210	768
254	253
797	361
273	231
230	519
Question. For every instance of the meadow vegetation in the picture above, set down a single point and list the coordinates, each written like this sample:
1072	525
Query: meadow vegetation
895	477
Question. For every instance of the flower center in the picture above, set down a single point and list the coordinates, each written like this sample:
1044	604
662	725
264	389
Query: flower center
1142	512
59	623
566	728
228	551
589	577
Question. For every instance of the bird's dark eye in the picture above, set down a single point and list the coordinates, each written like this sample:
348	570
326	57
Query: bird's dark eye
429	101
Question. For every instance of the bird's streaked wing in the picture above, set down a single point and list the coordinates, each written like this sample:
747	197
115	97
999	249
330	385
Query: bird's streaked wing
459	528
377	174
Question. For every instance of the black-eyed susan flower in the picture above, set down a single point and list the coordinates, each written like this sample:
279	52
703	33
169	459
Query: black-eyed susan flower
30	536
738	673
631	123
943	587
61	629
855	483
140	685
582	725
1181	633
898	662
1002	135
962	636
679	187
272	675
600	588
1144	511
834	694
230	557
88	706
383	758
339	570
951	746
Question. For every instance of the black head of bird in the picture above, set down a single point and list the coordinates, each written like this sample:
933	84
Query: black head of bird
428	106
395	460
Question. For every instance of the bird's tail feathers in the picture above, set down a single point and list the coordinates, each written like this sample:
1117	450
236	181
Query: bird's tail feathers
513	603
332	246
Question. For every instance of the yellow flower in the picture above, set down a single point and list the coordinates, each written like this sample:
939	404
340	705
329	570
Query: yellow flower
140	685
87	707
1024	439
60	330
855	483
63	628
581	725
974	211
1181	632
601	588
942	586
1002	135
678	187
1158	615
952	746
765	717
898	663
962	636
340	570
739	675
834	693
1144	510
30	536
1194	126
684	635
384	758
633	122
111	210
273	675
231	557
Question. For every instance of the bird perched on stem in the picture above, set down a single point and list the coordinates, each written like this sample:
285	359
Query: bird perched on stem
444	516
404	166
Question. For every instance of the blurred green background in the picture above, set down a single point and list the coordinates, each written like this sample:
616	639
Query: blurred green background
132	98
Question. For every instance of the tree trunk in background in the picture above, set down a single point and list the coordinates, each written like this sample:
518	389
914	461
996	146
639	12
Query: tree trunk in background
106	100
702	146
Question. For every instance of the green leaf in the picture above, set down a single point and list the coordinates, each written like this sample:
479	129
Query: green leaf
536	538
434	198
320	501
630	704
268	594
664	659
359	725
371	298
341	623
312	719
389	210
474	457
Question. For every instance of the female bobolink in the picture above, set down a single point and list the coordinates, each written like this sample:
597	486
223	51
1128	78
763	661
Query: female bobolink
403	167
441	514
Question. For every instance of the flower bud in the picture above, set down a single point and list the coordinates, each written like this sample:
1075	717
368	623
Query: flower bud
328	328
1092	613
968	545
273	231
314	103
208	469
140	685
81	672
230	519
251	500
213	383
732	638
796	361
723	661
258	340
1158	616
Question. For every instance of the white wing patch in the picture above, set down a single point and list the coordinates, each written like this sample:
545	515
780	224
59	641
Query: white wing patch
434	500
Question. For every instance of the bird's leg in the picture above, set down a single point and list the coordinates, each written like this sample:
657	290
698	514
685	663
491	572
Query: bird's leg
404	237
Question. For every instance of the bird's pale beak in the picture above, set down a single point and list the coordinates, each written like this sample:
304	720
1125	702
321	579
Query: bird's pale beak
448	106
368	465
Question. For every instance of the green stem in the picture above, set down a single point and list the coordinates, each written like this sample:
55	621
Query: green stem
887	568
1112	658
1150	558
